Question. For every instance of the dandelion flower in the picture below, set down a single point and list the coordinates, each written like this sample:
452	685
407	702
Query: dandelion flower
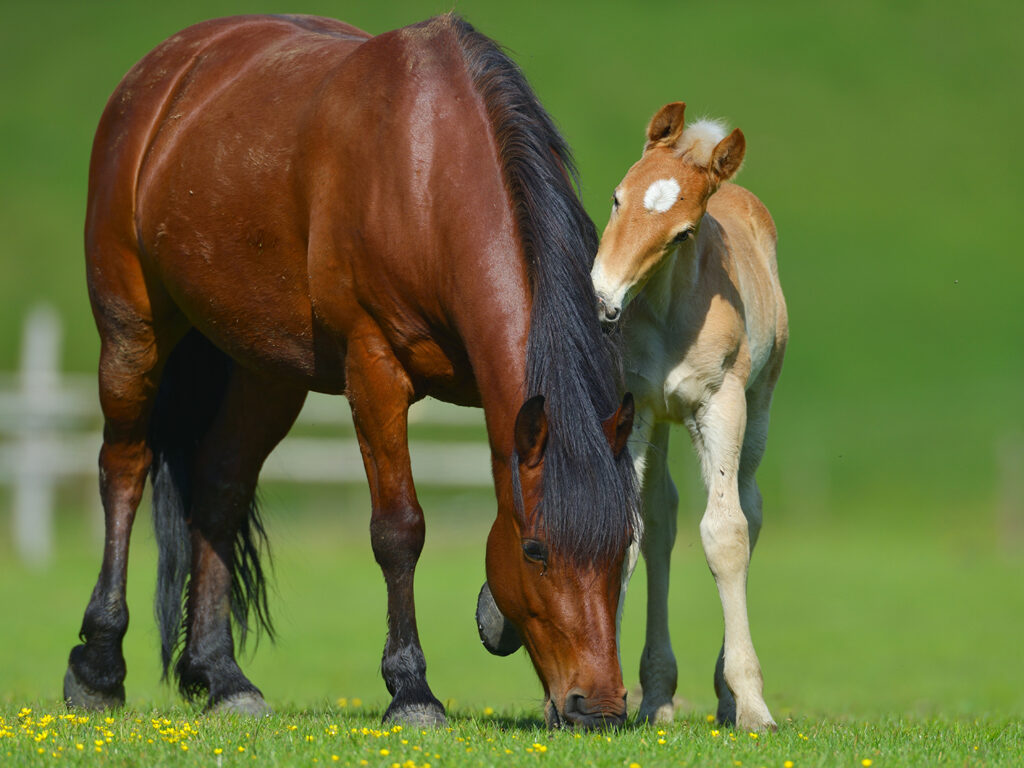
865	762
788	764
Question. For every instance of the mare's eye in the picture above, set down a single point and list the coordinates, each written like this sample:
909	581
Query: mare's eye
683	236
615	201
535	551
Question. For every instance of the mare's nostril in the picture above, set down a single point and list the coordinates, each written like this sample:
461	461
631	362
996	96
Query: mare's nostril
611	314
573	704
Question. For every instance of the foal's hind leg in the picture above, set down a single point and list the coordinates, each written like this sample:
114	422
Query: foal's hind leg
253	418
379	392
727	538
130	363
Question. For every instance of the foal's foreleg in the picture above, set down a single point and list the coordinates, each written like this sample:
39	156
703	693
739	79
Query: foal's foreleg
727	538
754	440
254	416
660	505
380	392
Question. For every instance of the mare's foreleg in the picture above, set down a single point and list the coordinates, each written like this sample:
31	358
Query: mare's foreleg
728	537
225	574
379	392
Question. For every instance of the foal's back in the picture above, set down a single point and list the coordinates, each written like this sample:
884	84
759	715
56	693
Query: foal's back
743	241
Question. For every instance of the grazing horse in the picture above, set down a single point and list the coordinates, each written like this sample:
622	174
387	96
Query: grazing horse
284	204
687	268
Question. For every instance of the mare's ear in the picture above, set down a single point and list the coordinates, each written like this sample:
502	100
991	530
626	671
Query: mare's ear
727	157
531	431
667	126
618	426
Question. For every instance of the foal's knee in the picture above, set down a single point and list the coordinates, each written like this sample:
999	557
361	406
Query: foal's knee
726	539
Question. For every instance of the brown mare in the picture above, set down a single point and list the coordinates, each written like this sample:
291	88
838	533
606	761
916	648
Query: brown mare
284	204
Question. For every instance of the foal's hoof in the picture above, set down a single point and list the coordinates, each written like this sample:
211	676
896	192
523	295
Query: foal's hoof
656	714
417	715
758	720
78	695
248	703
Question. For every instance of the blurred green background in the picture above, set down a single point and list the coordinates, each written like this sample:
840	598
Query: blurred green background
881	135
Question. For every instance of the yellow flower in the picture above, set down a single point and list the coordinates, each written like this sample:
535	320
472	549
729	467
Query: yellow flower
335	758
788	764
357	702
218	751
241	749
540	747
714	733
385	752
634	765
661	741
752	735
710	718
488	711
865	762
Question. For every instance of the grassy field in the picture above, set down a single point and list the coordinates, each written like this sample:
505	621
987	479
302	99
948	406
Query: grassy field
901	649
887	594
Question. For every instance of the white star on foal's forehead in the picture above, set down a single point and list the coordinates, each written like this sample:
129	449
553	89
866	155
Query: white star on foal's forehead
661	195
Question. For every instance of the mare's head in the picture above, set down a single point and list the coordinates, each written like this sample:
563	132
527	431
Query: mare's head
565	484
659	204
556	595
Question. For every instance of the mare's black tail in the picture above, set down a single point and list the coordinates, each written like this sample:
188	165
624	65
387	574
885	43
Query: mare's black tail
192	388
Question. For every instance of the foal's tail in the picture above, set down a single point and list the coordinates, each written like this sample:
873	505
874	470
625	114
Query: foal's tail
192	388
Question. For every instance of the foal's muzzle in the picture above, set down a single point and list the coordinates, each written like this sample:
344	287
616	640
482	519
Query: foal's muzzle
606	312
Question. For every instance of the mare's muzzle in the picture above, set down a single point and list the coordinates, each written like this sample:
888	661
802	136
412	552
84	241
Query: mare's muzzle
497	633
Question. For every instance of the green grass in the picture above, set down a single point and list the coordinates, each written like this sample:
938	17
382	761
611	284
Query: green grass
346	737
899	645
886	595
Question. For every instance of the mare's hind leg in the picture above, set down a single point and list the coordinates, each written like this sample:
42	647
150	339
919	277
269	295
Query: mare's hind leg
129	371
379	392
727	538
253	418
660	505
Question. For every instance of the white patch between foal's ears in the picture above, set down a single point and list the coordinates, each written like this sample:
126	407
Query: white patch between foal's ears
661	195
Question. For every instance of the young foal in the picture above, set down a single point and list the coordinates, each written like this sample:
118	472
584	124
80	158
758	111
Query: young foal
688	263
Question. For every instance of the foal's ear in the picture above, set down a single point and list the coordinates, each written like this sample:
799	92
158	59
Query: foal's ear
727	157
667	126
618	426
531	431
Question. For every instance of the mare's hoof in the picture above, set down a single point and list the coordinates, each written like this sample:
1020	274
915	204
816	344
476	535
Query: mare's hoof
78	695
248	703
499	635
417	715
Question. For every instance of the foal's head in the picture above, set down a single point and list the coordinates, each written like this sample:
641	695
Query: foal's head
658	206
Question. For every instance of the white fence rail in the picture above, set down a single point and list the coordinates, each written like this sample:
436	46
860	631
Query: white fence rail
50	433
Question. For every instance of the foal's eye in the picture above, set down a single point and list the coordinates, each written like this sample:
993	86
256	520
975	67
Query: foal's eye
615	201
535	551
683	236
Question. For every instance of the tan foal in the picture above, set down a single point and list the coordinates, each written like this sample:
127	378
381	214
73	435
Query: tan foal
687	268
